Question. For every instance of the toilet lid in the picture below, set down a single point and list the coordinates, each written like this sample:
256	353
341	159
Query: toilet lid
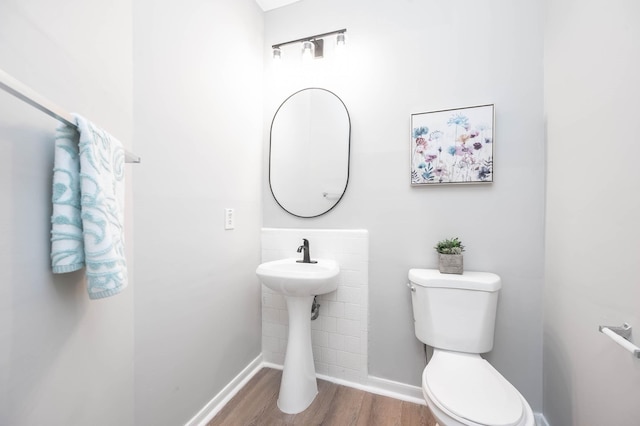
469	387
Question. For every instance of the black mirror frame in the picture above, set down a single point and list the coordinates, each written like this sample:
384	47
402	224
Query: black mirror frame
346	185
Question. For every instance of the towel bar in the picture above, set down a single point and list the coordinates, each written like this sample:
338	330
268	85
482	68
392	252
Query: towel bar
30	96
620	335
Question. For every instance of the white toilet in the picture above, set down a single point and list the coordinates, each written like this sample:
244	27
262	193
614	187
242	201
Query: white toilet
455	314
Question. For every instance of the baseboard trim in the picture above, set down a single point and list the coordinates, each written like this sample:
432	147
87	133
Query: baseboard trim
220	400
382	387
540	419
396	390
376	385
272	365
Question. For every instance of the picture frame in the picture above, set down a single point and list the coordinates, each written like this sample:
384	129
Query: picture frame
452	146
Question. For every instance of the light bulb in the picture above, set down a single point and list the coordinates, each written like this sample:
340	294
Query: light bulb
307	51
341	45
277	53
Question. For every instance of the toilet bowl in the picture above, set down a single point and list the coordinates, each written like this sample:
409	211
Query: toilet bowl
455	315
465	390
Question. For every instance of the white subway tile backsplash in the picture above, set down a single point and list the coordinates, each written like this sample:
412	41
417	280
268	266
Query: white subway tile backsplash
317	353
274	330
329	324
266	353
270	314
329	296
348	360
349	327
352	344
337	341
316	324
283	345
269	255
364	320
330	356
355	376
284	316
271	343
353	278
336	309
350	295
272	300
337	371
339	335
352	311
322	368
355	246
351	262
345	374
320	338
364	342
277	358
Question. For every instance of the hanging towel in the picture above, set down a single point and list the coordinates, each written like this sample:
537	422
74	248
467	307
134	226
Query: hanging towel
67	246
101	195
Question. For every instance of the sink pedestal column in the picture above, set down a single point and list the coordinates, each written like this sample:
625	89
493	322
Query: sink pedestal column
298	387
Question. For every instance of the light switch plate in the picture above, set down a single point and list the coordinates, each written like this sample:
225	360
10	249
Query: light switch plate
229	220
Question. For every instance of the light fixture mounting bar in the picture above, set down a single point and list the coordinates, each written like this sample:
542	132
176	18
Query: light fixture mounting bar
310	38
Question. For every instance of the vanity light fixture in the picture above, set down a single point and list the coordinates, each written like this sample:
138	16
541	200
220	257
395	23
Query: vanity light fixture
312	46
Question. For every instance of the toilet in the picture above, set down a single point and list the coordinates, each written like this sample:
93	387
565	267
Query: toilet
455	314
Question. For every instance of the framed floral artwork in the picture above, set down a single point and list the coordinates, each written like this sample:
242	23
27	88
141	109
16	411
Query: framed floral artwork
452	146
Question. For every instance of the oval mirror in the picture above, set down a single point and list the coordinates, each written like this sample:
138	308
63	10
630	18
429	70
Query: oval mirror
309	152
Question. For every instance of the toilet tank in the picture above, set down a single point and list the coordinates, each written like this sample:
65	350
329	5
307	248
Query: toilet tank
455	312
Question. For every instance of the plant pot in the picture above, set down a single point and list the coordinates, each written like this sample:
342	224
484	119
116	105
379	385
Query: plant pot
450	263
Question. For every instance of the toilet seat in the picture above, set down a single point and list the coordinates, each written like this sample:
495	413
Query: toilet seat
469	389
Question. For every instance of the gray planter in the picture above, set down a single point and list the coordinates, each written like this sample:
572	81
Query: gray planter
450	263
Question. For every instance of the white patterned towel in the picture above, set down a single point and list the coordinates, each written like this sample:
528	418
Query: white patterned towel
67	246
101	195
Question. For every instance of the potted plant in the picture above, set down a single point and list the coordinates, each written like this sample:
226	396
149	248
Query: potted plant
450	256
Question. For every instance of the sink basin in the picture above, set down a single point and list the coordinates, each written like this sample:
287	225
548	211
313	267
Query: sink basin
290	278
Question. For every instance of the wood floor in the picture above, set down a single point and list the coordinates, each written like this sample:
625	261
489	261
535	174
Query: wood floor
255	404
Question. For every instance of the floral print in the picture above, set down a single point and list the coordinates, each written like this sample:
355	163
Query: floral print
452	146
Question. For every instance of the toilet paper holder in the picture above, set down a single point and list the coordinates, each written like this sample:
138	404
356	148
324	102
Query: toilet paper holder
621	335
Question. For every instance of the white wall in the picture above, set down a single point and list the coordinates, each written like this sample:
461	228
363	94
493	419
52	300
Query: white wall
414	56
64	360
592	232
198	68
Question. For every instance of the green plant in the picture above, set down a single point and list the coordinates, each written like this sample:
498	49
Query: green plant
450	246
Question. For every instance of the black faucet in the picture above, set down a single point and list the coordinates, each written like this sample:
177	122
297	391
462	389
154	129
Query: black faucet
304	249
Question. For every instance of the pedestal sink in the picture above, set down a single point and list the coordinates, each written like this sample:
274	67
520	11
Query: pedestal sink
299	283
